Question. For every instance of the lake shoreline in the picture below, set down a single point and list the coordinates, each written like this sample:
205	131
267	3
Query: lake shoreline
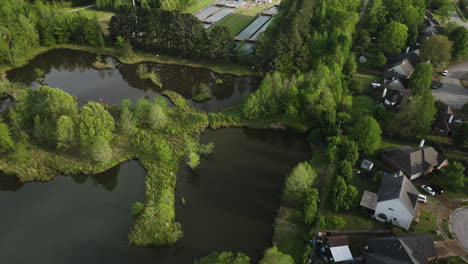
140	57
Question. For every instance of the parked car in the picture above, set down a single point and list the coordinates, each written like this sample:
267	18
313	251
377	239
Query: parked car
437	188
428	189
422	198
445	73
436	85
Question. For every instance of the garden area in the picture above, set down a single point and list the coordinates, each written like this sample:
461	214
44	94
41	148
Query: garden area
427	225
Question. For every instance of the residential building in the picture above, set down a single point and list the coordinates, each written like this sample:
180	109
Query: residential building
445	122
408	249
395	202
414	162
339	248
403	67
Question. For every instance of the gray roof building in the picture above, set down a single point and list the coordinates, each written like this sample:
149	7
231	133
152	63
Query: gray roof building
417	249
397	186
414	162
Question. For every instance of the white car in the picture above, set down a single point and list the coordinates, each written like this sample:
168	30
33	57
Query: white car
422	198
428	189
445	73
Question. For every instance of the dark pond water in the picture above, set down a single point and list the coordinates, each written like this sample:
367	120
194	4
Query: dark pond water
231	199
71	71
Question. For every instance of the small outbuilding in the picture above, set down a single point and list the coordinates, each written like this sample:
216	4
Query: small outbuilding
339	248
367	165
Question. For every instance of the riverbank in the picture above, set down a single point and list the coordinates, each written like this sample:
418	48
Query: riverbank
138	57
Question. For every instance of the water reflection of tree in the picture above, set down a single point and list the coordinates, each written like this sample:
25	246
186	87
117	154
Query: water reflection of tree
108	179
9	183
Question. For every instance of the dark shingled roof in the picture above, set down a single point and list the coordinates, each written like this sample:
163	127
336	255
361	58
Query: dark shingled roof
397	186
443	117
337	241
414	160
404	249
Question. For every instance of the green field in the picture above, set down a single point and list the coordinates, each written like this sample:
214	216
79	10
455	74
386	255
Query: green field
242	17
367	79
197	5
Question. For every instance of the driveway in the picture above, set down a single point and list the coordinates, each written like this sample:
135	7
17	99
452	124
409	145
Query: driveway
456	18
459	220
452	93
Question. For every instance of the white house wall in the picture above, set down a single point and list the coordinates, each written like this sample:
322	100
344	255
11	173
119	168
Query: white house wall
399	216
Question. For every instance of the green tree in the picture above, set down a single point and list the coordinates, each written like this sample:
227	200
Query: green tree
274	256
101	150
332	147
352	196
344	168
156	117
454	175
437	49
224	258
459	37
461	134
301	178
65	132
6	143
416	117
127	121
95	122
93	33
309	205
367	133
421	78
392	38
349	151
124	46
338	194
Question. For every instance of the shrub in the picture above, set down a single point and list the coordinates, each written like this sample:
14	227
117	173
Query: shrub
309	205
274	256
6	143
137	208
356	86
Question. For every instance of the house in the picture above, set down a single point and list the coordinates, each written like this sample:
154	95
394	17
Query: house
414	162
263	1
403	67
395	202
395	81
394	97
411	249
444	124
367	165
339	248
432	26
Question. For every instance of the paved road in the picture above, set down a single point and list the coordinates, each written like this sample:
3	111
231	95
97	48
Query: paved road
452	93
456	18
459	224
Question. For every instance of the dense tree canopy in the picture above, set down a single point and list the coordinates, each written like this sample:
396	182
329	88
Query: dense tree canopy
95	122
173	32
437	49
26	24
224	258
310	205
367	133
454	175
421	78
274	256
416	117
393	37
459	37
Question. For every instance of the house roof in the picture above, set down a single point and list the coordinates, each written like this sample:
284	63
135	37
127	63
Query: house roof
337	241
397	97
405	64
397	186
414	160
366	164
369	200
404	249
341	253
443	119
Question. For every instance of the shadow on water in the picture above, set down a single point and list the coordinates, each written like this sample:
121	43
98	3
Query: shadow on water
232	198
71	71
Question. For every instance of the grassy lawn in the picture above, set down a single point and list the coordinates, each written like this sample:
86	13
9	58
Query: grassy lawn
241	17
197	5
362	104
427	225
355	220
445	260
388	142
367	79
289	233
